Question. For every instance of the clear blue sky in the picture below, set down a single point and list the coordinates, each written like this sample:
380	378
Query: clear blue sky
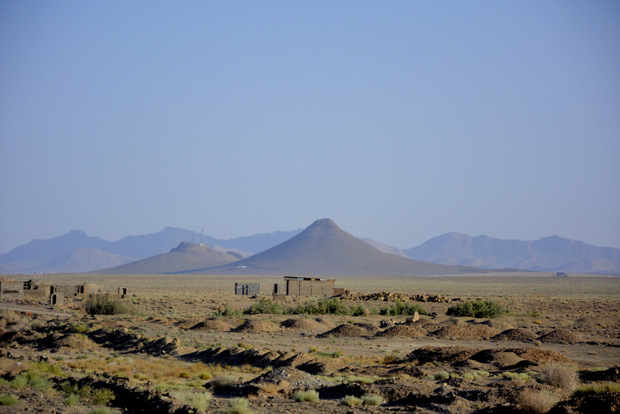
400	120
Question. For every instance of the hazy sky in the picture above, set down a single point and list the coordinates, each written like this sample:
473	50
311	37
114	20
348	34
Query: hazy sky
400	120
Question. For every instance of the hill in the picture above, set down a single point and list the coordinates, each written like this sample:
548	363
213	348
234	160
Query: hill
185	256
323	249
53	255
546	254
83	260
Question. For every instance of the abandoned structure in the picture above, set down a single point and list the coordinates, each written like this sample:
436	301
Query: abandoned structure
251	289
11	291
308	286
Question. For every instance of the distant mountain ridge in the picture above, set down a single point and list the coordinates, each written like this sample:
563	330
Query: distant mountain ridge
546	254
324	249
77	252
60	254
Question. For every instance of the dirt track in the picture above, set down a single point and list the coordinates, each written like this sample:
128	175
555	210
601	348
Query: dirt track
32	309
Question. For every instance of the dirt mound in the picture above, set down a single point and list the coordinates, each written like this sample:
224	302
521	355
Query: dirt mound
466	331
517	334
538	355
561	336
345	330
321	366
406	331
446	354
213	325
499	358
258	326
76	341
302	324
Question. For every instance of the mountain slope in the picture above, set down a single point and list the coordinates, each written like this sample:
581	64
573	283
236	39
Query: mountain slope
83	260
546	254
185	256
323	249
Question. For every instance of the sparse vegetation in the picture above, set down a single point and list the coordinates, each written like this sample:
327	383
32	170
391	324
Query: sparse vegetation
237	405
306	396
351	401
372	399
105	304
8	399
561	376
404	308
197	400
158	351
478	309
598	388
536	401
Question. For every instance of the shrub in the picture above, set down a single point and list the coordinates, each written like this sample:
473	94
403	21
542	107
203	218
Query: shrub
403	308
237	405
222	383
104	304
441	375
72	400
228	311
331	306
102	396
8	399
197	400
372	400
478	309
266	305
351	401
536	401
561	376
598	388
306	396
522	376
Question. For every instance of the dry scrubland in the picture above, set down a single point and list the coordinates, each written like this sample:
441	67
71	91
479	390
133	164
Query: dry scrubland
187	346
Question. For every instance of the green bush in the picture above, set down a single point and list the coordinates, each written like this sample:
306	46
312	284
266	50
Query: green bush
403	308
72	400
197	400
598	388
268	306
104	304
351	401
8	399
478	309
306	396
372	400
237	405
331	306
442	375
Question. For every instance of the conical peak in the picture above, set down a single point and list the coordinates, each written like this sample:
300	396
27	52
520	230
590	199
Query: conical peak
324	223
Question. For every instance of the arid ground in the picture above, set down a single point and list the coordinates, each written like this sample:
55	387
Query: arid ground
189	345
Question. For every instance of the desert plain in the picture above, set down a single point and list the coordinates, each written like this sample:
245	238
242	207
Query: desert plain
187	344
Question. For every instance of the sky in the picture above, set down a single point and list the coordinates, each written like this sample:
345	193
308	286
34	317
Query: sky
399	120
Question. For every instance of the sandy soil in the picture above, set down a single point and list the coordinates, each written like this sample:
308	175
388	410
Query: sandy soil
178	341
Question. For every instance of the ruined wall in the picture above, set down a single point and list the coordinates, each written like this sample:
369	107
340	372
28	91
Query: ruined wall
309	287
251	289
11	291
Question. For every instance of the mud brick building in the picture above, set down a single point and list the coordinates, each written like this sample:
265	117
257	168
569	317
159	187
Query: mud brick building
307	286
251	289
11	291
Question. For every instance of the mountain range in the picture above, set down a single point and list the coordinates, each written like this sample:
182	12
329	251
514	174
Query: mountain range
321	249
324	249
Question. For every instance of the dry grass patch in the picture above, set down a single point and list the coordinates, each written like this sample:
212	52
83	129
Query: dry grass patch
536	401
561	376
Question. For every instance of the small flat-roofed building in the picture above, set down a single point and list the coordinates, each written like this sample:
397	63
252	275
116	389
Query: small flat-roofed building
308	286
